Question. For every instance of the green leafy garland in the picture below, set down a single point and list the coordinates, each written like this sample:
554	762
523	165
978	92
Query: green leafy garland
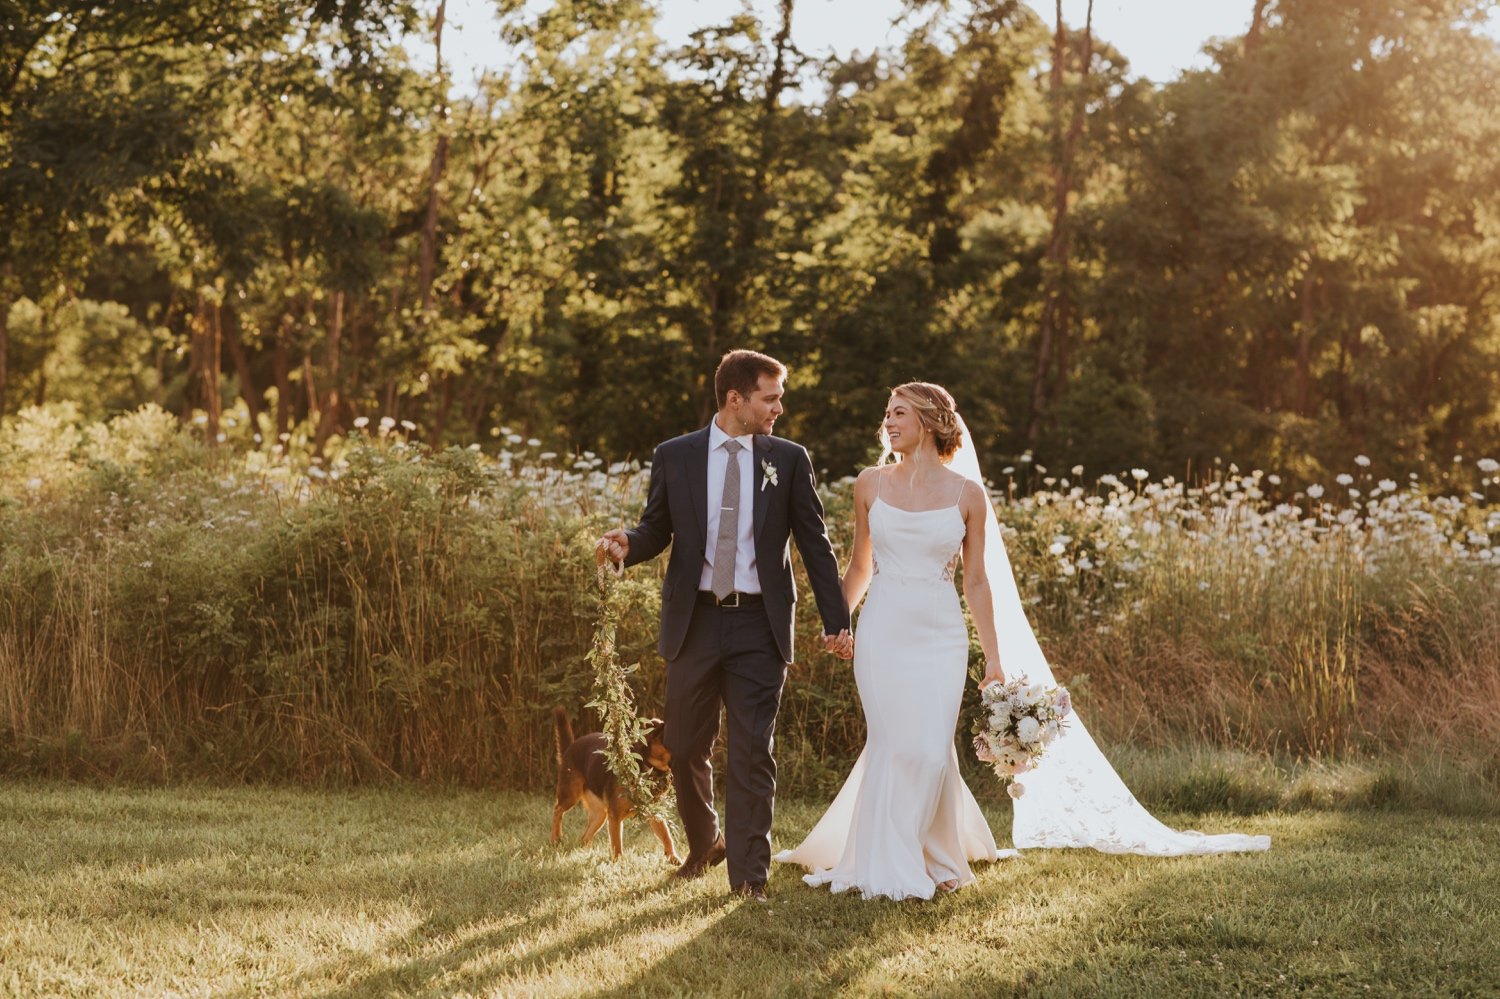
614	701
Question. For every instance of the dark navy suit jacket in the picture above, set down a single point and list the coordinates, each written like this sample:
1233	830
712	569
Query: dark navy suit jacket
676	514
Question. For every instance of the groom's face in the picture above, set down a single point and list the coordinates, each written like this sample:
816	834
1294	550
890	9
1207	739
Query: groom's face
757	413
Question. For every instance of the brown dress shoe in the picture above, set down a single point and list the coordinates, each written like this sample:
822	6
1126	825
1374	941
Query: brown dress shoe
696	866
752	890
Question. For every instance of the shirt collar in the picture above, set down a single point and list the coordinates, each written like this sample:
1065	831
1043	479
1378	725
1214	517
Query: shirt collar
717	437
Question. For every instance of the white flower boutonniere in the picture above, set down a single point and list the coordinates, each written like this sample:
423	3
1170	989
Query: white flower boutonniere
768	474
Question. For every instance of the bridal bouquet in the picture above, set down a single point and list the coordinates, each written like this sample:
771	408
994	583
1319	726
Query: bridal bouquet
1017	721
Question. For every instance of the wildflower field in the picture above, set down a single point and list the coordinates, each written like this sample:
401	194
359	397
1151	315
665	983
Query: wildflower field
255	612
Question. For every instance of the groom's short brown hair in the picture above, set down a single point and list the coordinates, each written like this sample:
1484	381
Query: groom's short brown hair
740	370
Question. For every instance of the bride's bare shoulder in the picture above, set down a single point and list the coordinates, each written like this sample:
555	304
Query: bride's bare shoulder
957	479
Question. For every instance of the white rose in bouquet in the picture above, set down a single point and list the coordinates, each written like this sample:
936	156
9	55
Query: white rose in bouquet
1027	730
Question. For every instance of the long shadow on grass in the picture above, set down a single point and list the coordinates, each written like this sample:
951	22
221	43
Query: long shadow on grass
480	962
806	942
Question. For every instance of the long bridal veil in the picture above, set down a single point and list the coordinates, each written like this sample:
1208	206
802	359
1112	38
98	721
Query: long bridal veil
1074	797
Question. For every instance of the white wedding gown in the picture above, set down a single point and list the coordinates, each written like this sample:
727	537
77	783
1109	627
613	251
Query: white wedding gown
905	820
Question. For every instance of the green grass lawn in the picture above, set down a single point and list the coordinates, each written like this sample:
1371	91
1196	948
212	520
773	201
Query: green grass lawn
249	891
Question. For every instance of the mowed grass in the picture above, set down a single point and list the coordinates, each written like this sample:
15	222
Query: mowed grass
250	891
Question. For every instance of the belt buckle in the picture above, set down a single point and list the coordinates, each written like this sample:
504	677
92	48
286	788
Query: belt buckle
733	600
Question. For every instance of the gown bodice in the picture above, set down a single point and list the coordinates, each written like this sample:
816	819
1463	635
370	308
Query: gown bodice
915	545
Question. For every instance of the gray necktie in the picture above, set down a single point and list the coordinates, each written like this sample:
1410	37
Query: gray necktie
727	544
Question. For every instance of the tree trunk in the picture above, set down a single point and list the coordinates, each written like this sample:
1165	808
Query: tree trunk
1052	335
1257	22
331	416
1302	391
213	361
5	274
195	355
281	369
427	263
241	361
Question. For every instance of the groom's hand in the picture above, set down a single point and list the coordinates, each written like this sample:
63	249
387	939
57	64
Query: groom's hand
841	645
615	545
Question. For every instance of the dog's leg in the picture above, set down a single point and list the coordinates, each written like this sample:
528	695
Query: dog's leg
617	812
597	814
664	833
569	790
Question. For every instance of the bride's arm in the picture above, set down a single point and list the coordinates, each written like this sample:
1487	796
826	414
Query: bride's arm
861	563
977	583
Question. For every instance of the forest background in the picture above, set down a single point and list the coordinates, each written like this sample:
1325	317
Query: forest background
365	313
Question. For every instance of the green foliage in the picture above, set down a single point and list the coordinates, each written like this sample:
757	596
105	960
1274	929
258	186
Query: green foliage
615	703
1280	260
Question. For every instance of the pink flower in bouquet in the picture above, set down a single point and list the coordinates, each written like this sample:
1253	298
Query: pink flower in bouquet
1015	790
982	750
1064	702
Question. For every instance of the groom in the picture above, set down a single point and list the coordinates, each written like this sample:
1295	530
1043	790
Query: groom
727	498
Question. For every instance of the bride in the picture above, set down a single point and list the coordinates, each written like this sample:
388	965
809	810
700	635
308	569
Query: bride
905	824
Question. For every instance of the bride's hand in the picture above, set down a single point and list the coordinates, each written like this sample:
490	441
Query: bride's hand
992	674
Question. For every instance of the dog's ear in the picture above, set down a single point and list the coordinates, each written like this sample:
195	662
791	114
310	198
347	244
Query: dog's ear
655	729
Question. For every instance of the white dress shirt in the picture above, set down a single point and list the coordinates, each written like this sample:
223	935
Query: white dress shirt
746	579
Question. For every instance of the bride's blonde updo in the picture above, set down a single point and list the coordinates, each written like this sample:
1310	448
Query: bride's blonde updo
938	413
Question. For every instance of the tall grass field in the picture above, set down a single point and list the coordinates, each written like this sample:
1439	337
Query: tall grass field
255	612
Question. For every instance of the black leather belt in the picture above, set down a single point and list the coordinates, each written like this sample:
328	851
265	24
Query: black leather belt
731	600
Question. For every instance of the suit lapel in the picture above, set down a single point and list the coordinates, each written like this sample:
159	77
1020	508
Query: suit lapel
761	452
696	465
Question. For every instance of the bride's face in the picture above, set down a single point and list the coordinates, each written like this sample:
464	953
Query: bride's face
903	426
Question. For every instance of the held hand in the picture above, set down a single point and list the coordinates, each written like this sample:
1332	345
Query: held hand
841	645
992	674
615	545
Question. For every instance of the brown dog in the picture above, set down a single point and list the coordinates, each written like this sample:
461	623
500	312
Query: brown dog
582	775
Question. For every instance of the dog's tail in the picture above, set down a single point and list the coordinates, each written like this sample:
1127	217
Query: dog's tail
564	731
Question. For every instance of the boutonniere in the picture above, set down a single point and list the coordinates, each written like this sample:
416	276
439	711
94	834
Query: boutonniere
768	474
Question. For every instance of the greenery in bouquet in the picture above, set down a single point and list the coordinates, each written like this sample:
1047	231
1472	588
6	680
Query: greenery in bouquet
614	700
